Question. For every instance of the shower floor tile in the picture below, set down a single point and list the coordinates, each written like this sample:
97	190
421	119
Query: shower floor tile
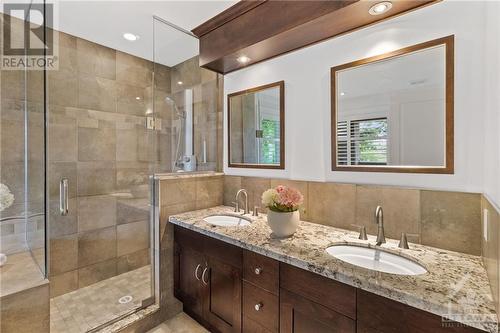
86	308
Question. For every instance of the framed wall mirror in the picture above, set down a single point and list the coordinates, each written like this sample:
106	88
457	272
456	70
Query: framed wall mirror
256	127
394	112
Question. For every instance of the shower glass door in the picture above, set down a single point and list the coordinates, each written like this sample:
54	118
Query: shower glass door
101	152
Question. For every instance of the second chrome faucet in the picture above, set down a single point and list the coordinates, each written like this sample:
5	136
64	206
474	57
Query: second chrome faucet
379	219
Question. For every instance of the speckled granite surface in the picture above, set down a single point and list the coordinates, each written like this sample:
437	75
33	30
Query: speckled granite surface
195	174
455	287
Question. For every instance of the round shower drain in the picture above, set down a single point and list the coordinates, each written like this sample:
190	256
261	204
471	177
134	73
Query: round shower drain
125	299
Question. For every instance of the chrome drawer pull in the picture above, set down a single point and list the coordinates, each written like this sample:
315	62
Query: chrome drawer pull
258	270
258	306
196	272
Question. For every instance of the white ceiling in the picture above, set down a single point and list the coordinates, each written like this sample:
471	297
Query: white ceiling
420	69
105	22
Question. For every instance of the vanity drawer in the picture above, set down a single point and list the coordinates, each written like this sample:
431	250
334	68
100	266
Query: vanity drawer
267	313
261	271
334	295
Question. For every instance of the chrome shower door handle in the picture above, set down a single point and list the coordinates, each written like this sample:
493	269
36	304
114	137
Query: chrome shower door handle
63	197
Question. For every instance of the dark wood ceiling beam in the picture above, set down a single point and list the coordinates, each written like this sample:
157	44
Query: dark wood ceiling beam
271	28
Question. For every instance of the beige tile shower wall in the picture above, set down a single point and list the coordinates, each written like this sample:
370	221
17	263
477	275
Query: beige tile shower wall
448	220
26	311
98	101
491	247
207	109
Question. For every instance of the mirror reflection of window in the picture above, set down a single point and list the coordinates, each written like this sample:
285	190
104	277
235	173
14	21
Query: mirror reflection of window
255	117
363	142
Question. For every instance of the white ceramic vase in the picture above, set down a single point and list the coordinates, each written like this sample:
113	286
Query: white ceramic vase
283	224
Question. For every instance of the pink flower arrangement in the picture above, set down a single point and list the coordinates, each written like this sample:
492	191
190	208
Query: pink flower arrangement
282	199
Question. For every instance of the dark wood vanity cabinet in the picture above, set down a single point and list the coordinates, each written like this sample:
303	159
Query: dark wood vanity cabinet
207	279
230	290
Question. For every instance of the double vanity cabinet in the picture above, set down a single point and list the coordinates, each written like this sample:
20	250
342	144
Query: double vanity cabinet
230	289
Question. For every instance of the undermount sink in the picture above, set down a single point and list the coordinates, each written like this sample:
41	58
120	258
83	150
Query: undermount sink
376	259
228	220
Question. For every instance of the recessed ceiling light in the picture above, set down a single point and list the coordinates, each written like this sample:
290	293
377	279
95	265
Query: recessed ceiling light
380	8
243	59
342	94
138	98
179	82
131	37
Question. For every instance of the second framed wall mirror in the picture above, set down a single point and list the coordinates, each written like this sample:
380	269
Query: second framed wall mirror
256	127
394	112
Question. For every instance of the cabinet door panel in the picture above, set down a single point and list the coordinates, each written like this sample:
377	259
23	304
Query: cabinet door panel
188	287
222	307
300	315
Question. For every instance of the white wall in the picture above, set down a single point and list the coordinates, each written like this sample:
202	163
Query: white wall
492	107
307	95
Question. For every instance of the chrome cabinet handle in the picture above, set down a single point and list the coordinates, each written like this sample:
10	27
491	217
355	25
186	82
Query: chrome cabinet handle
205	270
258	306
196	272
258	271
63	197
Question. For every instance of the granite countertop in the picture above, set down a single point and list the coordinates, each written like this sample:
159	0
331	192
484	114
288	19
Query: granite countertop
192	174
455	287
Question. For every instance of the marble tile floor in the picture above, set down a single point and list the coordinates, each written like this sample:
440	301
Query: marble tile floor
86	308
181	323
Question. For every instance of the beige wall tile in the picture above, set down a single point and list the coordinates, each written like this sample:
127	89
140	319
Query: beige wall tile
96	246
26	311
162	77
62	150
96	212
63	283
255	187
302	186
132	261
451	221
97	272
332	204
62	87
63	254
12	143
177	191
132	210
132	237
56	172
231	186
133	70
63	225
96	144
166	231
96	93
127	102
401	208
491	248
126	145
95	59
209	192
96	178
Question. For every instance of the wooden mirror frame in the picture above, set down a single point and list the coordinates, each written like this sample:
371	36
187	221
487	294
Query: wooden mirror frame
448	168
281	85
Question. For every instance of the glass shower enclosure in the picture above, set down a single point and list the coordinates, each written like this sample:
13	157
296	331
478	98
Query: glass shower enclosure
80	144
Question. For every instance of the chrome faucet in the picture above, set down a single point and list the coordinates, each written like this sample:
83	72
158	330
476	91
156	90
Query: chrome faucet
379	219
246	199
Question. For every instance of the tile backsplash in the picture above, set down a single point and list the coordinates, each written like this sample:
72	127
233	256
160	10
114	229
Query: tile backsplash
447	220
490	246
